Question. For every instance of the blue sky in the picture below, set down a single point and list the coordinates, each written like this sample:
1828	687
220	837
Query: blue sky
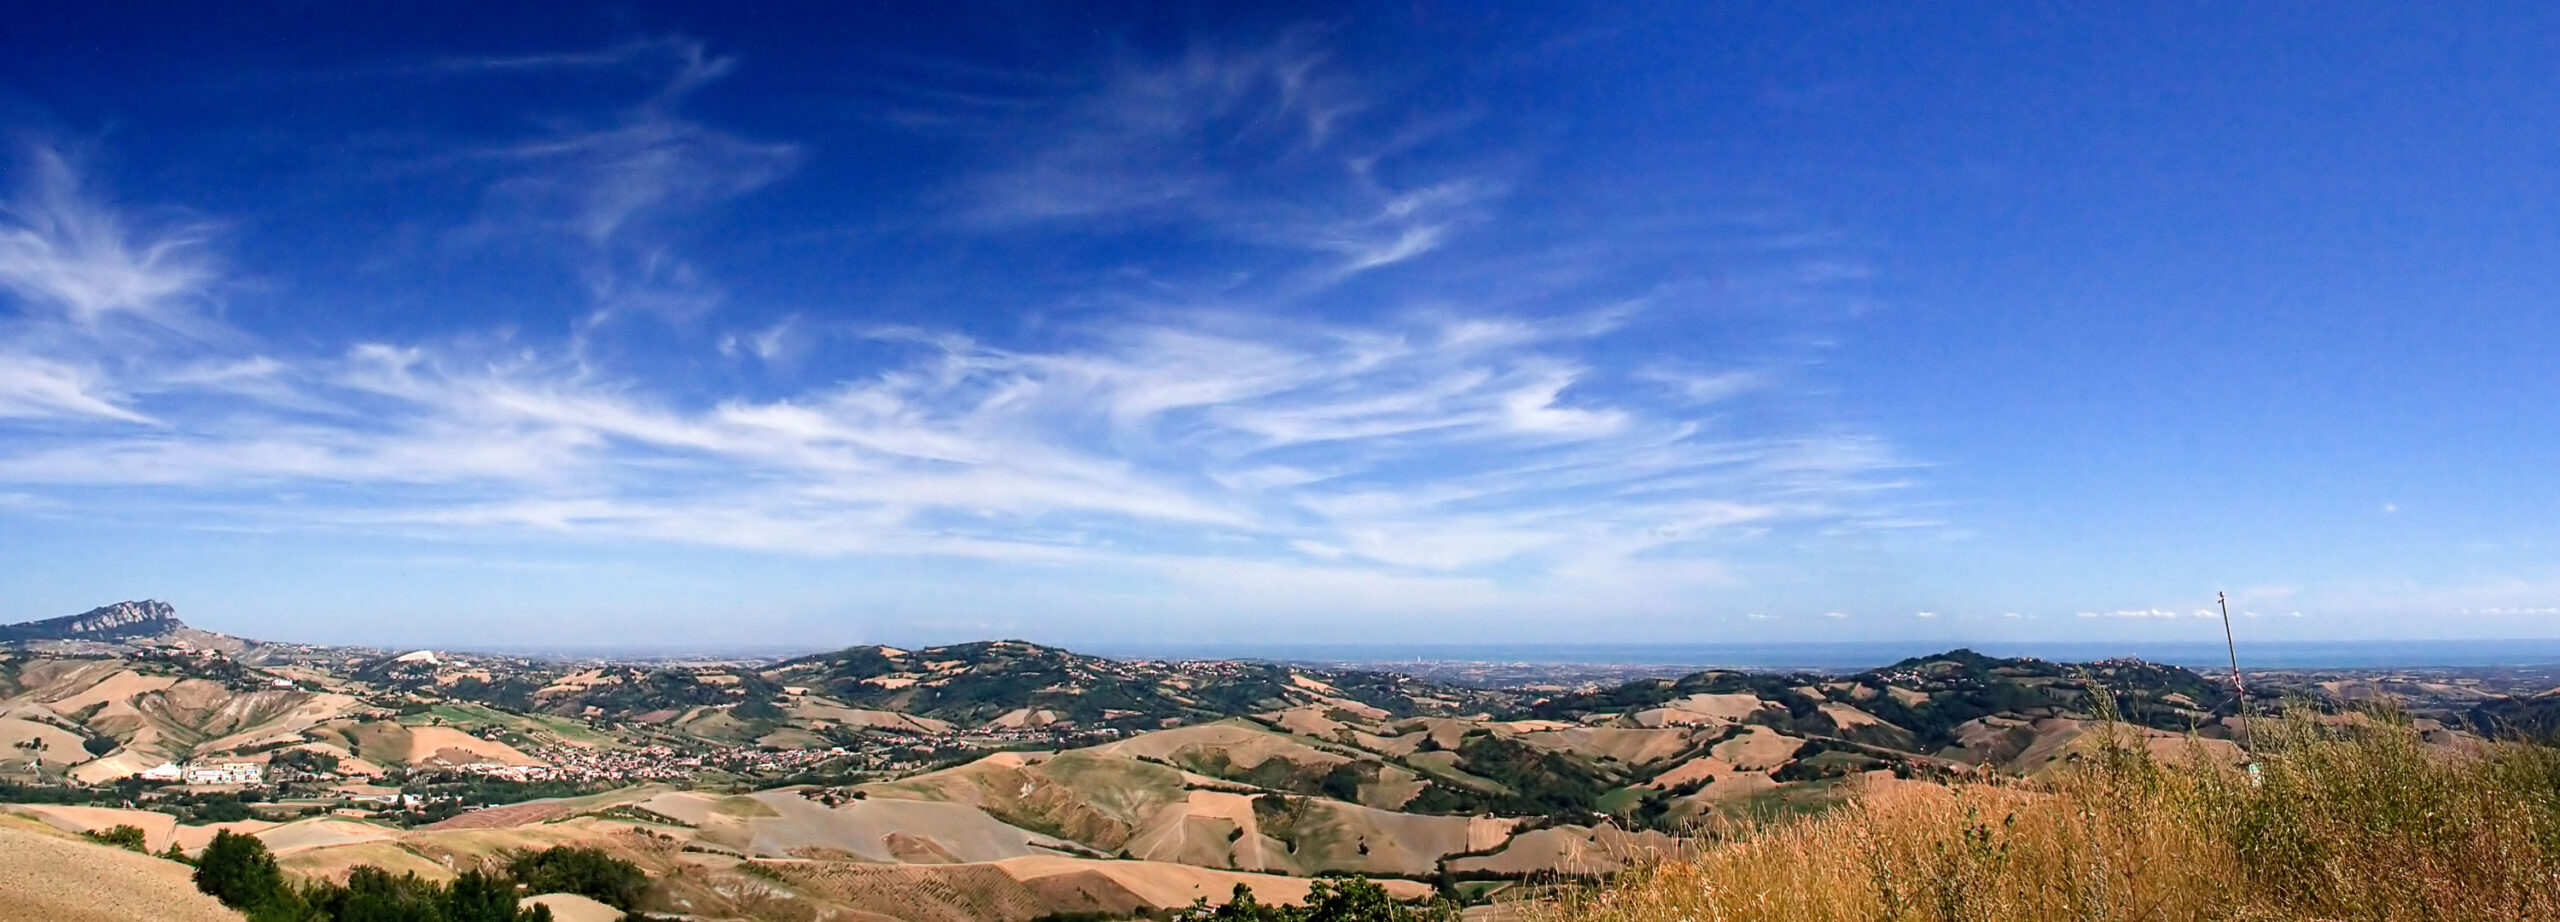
1418	321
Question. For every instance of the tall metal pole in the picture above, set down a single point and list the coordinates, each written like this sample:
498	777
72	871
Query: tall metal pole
2237	686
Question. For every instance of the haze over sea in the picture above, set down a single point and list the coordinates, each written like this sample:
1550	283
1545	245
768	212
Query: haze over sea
1854	655
1840	656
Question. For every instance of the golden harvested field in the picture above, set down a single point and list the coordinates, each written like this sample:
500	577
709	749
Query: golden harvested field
191	838
335	862
158	829
1630	745
48	879
570	907
322	832
451	745
507	815
1573	850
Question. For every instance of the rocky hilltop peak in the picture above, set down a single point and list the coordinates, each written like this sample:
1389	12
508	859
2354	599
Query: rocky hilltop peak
146	618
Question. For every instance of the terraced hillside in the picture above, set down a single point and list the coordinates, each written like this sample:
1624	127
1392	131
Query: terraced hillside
123	714
835	698
1013	683
1331	783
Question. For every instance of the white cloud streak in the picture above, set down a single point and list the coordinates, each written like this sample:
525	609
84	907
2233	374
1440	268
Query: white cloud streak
94	288
1243	143
36	387
67	251
618	187
1217	437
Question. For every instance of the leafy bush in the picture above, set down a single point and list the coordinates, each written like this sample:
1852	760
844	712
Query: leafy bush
129	838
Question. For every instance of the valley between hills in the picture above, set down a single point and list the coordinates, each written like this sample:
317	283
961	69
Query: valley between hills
1009	780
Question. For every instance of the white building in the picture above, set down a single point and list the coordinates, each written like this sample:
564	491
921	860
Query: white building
165	771
224	773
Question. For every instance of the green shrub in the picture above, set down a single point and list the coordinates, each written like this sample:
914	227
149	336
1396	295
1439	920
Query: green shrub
125	837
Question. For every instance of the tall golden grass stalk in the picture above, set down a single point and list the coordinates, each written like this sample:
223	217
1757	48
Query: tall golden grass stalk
2347	820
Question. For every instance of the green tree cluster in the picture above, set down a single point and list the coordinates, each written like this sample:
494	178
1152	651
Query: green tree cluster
239	871
125	837
303	760
587	872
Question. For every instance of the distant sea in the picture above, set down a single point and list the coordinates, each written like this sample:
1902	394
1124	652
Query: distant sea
1845	656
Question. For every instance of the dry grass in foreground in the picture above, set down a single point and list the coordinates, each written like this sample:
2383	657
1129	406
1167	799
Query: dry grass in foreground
2356	823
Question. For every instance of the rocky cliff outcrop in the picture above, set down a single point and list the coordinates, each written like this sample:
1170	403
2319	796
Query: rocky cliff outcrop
122	620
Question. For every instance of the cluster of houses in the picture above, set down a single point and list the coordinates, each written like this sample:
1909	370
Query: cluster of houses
652	763
205	772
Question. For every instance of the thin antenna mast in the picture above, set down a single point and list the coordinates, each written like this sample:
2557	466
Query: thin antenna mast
2236	685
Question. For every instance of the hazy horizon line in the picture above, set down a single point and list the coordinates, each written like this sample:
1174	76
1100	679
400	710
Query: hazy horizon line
1819	655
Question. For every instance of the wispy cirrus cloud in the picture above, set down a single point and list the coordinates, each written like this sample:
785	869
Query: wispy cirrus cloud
615	57
94	288
62	249
1247	143
1394	448
31	386
1434	454
620	186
